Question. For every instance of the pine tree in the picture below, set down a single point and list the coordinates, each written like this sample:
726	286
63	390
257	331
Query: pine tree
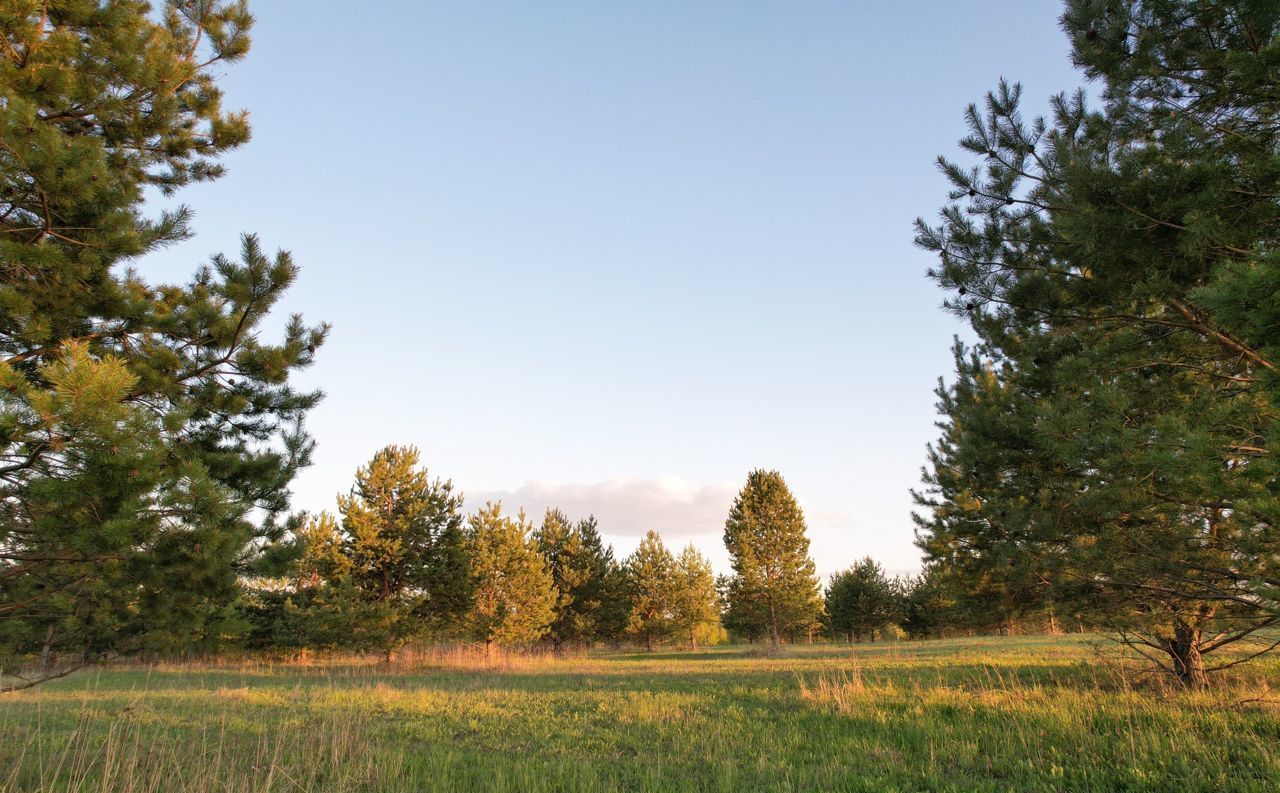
929	607
651	573
774	578
607	596
1117	264
149	433
861	600
515	596
983	491
323	606
582	569
394	568
403	546
695	604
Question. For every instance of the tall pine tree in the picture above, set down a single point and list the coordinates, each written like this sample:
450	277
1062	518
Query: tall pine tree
149	431
773	575
1117	264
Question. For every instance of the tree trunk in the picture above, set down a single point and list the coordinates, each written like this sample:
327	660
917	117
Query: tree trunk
488	649
1188	662
693	641
773	624
46	652
387	655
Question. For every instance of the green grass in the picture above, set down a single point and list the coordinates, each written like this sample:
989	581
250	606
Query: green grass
957	715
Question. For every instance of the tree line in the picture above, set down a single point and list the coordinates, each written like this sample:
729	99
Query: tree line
400	562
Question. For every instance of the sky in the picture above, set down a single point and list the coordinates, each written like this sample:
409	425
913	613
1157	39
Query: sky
613	256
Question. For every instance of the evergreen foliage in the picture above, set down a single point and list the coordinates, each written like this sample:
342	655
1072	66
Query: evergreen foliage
929	605
393	569
743	616
149	434
651	572
515	595
862	600
774	589
585	576
695	604
977	519
403	540
1118	264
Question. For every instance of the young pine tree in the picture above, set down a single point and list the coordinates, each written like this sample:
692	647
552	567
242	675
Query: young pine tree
695	604
581	567
606	599
394	568
515	596
773	576
322	606
651	574
929	607
861	600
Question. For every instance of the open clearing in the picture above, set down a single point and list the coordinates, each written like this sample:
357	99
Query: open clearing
965	714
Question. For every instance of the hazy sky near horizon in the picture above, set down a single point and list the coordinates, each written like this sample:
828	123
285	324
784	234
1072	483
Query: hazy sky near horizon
613	256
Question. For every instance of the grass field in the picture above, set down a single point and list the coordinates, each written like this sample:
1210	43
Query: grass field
957	715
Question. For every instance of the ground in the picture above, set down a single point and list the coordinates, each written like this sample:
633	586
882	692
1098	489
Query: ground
1037	713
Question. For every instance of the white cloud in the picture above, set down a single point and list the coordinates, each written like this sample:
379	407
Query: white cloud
625	507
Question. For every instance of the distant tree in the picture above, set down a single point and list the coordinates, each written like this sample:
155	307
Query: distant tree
862	600
515	595
651	571
584	573
929	606
394	568
773	575
150	432
695	605
610	587
319	604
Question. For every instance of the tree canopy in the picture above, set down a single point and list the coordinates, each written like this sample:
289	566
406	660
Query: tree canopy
861	600
149	431
515	595
774	585
1117	262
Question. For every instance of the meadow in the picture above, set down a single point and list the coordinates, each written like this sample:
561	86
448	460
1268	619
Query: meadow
976	714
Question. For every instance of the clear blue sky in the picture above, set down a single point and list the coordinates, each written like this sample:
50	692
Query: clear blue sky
614	255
